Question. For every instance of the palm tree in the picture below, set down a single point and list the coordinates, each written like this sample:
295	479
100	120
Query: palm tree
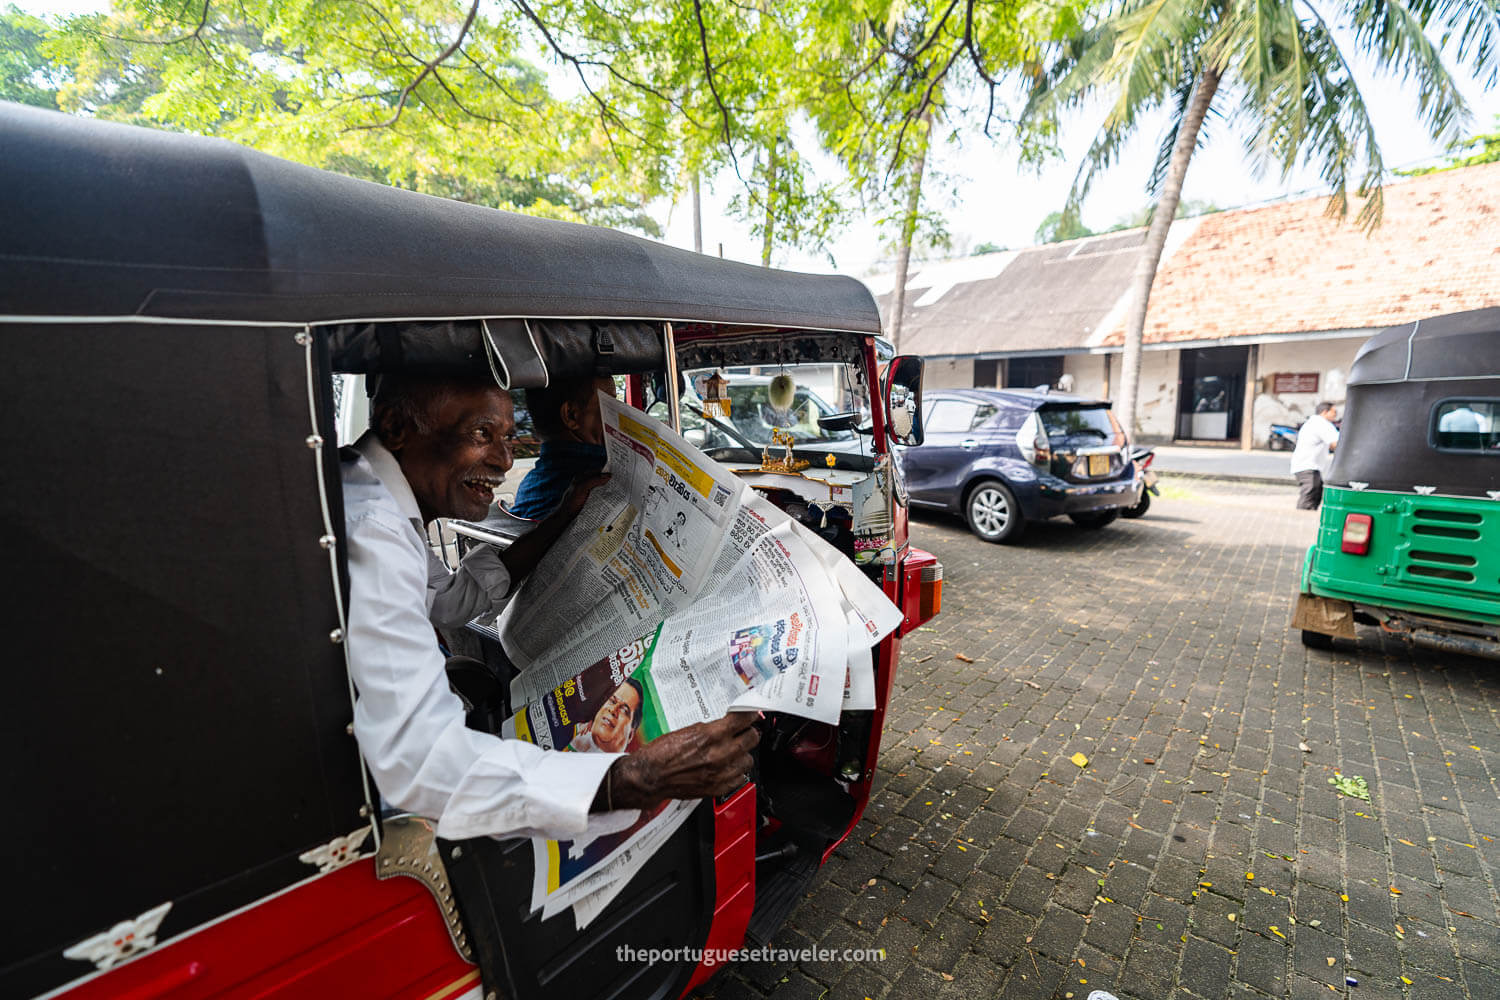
1293	92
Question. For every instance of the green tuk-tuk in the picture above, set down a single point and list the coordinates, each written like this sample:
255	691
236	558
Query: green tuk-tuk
1409	535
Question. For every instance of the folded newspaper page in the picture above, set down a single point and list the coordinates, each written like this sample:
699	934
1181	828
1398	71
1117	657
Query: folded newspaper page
678	595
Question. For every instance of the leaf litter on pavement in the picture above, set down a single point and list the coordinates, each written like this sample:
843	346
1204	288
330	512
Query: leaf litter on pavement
1354	787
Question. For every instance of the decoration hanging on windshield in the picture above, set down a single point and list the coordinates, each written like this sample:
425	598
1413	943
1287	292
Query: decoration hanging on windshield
715	399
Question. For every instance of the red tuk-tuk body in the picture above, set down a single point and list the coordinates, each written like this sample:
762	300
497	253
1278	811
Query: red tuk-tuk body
179	314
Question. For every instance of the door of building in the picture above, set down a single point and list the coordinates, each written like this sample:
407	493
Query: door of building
1211	393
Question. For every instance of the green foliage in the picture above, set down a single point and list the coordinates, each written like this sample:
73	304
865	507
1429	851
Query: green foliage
577	109
354	88
1061	225
27	76
1483	147
1298	100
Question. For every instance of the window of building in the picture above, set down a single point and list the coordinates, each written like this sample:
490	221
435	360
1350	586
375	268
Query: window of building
1028	373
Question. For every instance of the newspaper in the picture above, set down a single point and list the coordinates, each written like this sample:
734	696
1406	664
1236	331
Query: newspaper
678	595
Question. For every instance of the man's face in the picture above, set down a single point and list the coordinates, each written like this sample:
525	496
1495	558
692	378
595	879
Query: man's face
584	419
455	469
1331	414
615	720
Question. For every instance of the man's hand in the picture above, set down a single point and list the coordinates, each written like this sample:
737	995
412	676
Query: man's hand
523	555
698	761
577	495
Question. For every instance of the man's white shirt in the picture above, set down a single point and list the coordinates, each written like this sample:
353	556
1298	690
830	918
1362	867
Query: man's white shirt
410	726
1311	453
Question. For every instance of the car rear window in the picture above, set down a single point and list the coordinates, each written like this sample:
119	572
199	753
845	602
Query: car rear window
1467	425
1079	427
955	416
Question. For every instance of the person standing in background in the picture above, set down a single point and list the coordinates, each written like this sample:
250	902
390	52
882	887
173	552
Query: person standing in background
1312	458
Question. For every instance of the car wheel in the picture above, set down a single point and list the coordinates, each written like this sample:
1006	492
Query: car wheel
1139	509
993	513
1095	519
1316	640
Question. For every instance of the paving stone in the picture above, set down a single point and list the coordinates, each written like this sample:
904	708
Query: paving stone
1058	934
1205	967
1210	595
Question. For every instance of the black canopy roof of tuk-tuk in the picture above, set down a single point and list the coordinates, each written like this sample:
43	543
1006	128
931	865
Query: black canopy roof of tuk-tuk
1395	384
103	219
1457	346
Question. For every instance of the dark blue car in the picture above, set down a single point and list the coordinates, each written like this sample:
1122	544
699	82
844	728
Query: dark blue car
1002	457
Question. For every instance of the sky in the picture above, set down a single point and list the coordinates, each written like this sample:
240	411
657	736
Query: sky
992	200
986	198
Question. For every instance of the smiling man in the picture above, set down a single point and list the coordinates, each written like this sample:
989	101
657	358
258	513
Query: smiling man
615	723
438	447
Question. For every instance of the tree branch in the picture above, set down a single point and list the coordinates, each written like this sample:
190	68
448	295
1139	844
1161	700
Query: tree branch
427	70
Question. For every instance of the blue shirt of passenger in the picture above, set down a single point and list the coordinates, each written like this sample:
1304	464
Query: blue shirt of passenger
557	465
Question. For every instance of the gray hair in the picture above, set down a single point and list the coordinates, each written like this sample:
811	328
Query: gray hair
412	401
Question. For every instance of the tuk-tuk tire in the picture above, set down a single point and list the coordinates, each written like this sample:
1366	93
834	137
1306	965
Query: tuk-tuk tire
1316	640
982	498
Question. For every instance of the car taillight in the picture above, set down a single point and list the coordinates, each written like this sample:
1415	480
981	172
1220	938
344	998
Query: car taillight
1357	531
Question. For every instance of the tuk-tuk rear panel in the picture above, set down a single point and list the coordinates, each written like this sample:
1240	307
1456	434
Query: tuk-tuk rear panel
166	577
1434	554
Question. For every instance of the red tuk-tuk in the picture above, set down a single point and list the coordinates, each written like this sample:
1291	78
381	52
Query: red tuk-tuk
178	311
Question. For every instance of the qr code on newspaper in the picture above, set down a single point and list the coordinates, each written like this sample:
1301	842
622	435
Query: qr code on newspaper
720	495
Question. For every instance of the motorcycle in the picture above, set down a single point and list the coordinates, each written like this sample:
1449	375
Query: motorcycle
1143	457
1283	437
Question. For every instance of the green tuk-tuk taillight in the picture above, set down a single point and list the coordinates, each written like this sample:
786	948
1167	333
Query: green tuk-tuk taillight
1357	531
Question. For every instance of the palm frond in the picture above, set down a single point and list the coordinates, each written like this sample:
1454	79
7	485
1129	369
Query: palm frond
1394	31
1103	152
1153	42
1339	137
1472	27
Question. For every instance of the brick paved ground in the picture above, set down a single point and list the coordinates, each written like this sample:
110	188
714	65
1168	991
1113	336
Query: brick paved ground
989	865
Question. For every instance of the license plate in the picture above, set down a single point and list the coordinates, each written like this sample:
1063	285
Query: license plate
1098	465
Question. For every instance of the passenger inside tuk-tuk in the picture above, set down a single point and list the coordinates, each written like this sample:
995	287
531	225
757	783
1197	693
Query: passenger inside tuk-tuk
565	418
437	448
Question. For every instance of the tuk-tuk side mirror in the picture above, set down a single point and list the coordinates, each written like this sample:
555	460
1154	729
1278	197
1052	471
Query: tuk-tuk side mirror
903	400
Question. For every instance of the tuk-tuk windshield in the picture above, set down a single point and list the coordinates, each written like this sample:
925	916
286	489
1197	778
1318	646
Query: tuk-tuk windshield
818	390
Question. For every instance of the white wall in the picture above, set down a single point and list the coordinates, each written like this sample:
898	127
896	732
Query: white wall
1088	374
1329	358
948	373
1157	410
1159	373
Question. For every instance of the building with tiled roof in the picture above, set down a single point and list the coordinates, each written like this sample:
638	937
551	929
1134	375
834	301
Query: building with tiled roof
1278	297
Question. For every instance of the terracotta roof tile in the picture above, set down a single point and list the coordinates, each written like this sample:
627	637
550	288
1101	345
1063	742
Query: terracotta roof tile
1289	267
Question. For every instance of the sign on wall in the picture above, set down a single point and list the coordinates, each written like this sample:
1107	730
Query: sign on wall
1287	382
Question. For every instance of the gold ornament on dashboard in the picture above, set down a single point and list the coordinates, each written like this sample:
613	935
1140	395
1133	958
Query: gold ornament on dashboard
787	463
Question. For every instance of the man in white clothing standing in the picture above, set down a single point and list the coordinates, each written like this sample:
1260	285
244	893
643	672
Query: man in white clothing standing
1312	458
439	447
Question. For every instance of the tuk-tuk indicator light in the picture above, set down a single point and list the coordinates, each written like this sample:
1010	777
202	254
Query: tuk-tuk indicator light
1357	531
